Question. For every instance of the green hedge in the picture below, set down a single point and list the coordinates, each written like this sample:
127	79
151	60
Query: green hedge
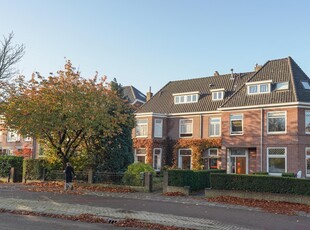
196	180
254	183
6	162
33	169
288	174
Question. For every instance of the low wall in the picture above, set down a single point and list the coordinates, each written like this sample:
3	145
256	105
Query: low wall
262	196
185	190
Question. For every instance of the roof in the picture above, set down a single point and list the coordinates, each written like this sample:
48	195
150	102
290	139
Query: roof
133	94
280	70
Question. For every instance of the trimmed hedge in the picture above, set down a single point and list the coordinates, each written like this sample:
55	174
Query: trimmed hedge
33	169
196	180
288	174
6	162
253	183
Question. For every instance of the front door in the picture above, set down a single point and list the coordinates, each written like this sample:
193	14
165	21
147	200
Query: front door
241	165
237	161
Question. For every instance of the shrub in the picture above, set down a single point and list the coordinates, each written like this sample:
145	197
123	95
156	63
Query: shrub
289	174
261	173
7	162
33	169
261	184
133	174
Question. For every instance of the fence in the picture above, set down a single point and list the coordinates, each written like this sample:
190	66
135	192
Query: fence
108	178
58	175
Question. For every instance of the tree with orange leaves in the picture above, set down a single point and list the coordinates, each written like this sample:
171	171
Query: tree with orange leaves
64	110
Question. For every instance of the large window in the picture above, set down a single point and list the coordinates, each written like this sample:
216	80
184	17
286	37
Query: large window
276	122
185	158
258	87
141	128
307	121
186	128
182	98
157	159
236	124
276	162
158	129
215	127
308	162
12	136
140	155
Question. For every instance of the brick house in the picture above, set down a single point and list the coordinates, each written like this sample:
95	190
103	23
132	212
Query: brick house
242	122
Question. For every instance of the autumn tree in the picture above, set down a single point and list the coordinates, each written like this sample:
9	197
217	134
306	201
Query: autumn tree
9	55
65	110
114	153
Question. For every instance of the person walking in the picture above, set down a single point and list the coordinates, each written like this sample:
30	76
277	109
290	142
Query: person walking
69	174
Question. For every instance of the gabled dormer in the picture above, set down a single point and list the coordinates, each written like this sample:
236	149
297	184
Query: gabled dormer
185	98
258	87
217	94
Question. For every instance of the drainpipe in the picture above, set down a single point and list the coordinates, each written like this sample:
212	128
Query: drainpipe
200	127
261	139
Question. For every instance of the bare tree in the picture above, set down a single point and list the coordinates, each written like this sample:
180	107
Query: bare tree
9	55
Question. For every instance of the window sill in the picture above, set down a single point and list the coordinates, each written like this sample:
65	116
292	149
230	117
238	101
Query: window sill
276	133
236	134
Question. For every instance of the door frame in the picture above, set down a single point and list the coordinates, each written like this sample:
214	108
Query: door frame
246	156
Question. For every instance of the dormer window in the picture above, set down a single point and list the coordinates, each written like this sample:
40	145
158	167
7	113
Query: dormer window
183	98
217	94
305	84
281	85
258	87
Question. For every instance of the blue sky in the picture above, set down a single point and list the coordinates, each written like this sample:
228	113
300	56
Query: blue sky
151	42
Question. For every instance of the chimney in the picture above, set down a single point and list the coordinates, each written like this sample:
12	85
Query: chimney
149	94
216	74
232	74
257	67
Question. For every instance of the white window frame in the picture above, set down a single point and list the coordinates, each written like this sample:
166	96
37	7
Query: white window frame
160	157
185	98
145	125
140	155
12	136
234	119
258	85
307	111
214	123
276	132
276	156
27	138
187	132
158	130
307	157
180	158
217	94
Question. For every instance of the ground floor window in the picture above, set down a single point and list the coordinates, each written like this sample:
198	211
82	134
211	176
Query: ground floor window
140	155
185	158
211	159
157	152
6	151
308	162
276	160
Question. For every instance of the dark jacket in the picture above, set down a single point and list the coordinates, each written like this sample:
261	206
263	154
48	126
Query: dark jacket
69	173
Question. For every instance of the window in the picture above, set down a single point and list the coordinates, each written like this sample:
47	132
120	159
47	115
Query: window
307	121
264	88
186	128
281	85
185	158
1	136
276	122
212	161
182	98
308	162
252	89
140	155
158	129
215	127
141	128
12	136
27	138
258	87
157	159
219	95
236	124
305	84
276	162
6	151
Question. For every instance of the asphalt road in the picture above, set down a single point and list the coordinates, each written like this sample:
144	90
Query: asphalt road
230	215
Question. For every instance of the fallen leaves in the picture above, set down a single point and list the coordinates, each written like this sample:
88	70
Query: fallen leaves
144	225
174	194
278	207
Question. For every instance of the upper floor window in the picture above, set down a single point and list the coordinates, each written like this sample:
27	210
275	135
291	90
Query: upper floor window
236	124
158	128
307	121
276	122
258	87
186	128
305	84
141	128
182	98
12	136
281	85
217	94
215	127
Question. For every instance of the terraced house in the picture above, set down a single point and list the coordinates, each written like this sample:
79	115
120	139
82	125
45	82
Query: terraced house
241	122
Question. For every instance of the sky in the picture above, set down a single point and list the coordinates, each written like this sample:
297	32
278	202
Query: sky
147	43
